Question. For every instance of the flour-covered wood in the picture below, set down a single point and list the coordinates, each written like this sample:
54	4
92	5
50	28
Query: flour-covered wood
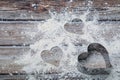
8	56
19	21
17	33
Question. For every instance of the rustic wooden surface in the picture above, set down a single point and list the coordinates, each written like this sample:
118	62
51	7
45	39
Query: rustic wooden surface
16	33
27	4
18	18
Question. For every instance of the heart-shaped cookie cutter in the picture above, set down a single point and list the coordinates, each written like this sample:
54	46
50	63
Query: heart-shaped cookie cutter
94	71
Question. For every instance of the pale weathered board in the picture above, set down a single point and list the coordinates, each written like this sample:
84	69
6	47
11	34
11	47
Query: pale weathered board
8	55
23	9
26	33
23	15
17	33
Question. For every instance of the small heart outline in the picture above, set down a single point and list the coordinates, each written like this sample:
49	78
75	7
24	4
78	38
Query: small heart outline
52	56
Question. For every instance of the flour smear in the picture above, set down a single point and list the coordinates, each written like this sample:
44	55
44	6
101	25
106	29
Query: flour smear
53	34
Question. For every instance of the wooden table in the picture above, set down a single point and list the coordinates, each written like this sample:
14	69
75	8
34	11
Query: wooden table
17	17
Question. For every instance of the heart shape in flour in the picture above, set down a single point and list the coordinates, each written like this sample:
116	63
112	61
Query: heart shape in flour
75	28
83	60
52	56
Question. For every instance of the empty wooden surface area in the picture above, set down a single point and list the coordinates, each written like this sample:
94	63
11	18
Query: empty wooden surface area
19	21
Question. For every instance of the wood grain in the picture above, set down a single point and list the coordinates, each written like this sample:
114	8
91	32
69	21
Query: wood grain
37	6
16	33
19	20
24	15
8	55
26	33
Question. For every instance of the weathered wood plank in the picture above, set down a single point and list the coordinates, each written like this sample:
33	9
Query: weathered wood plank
22	9
24	33
28	4
12	50
7	57
17	33
23	15
101	3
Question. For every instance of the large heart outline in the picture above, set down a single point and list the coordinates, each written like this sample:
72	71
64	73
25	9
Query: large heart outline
52	56
94	71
